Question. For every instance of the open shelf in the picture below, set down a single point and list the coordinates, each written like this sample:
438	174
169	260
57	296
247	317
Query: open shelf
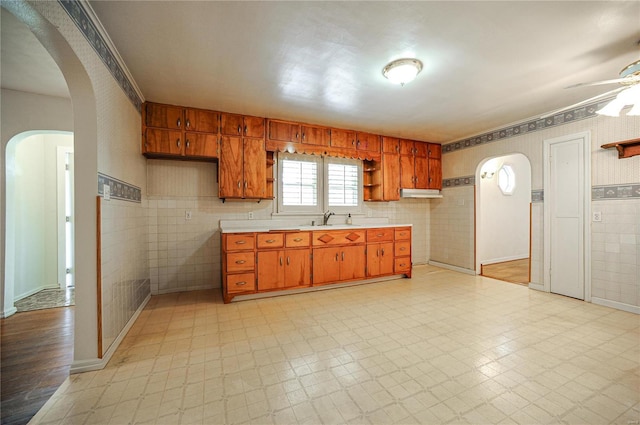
626	148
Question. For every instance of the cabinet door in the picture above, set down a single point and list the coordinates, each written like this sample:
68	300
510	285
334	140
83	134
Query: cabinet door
390	145
163	116
163	141
230	179
282	131
343	138
391	176
297	267
270	270
435	173
386	258
231	124
201	120
421	149
406	147
255	168
421	180
373	260
201	145
326	265
316	135
368	142
435	150
253	127
407	171
353	262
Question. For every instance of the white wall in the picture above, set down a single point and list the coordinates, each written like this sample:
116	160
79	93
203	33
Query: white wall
32	210
503	225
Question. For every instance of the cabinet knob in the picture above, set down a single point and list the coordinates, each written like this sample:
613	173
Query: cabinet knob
241	283
245	184
383	252
297	240
337	256
241	242
377	252
342	255
239	130
187	143
188	123
288	260
380	235
178	143
270	240
239	186
246	130
403	249
297	135
280	260
303	135
240	261
178	123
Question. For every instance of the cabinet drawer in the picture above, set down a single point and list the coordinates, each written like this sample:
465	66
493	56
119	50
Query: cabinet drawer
240	242
402	248
270	240
243	282
298	239
380	235
240	261
402	265
403	233
338	237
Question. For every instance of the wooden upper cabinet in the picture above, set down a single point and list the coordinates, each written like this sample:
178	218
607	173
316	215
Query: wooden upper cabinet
435	150
406	147
164	116
368	142
343	138
391	177
255	168
230	171
421	172
168	142
283	131
421	149
201	145
313	135
201	120
435	174
390	145
241	125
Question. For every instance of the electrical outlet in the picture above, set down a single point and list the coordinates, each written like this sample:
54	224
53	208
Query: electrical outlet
250	215
187	215
597	216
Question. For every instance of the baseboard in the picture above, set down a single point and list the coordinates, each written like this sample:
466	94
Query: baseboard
34	291
187	289
451	267
79	366
616	304
504	259
537	286
7	313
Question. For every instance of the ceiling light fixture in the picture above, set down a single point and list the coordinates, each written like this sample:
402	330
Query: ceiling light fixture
628	96
402	71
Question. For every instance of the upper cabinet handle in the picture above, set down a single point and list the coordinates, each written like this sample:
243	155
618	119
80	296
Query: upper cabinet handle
288	260
245	130
303	135
280	260
178	123
188	123
383	252
239	129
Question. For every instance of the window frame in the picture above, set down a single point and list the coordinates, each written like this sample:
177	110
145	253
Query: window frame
323	188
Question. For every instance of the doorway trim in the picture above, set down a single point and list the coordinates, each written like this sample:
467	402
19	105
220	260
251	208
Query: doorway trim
586	208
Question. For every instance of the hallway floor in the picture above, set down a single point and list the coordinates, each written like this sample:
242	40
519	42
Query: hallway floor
36	350
47	298
442	347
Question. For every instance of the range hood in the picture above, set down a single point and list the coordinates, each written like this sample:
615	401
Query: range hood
420	193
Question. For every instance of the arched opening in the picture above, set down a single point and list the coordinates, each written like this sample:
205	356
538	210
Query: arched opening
84	126
503	218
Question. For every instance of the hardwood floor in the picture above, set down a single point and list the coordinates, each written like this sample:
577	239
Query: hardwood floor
516	271
36	352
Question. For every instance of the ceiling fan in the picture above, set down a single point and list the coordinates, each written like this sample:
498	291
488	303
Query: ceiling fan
628	93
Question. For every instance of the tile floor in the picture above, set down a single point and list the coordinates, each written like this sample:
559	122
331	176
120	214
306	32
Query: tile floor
442	347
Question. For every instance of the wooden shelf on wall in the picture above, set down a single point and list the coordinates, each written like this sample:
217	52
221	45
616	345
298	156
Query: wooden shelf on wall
626	148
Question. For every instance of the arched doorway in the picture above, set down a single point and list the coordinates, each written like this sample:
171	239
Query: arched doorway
503	218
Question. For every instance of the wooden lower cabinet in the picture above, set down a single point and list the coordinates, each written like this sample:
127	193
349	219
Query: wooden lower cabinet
337	264
380	259
254	262
280	269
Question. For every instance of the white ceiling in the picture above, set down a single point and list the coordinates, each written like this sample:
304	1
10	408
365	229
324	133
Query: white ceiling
486	63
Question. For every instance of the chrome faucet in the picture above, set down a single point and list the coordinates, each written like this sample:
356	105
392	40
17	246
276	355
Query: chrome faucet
326	216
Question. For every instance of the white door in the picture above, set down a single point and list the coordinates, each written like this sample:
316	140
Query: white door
565	210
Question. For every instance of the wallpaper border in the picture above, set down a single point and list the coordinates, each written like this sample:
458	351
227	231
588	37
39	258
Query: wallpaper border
615	191
119	189
85	23
532	125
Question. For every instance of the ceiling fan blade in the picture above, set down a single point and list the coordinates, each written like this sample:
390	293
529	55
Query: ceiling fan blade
583	102
628	79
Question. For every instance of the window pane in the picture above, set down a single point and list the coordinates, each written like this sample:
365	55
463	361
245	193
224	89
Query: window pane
299	183
343	185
